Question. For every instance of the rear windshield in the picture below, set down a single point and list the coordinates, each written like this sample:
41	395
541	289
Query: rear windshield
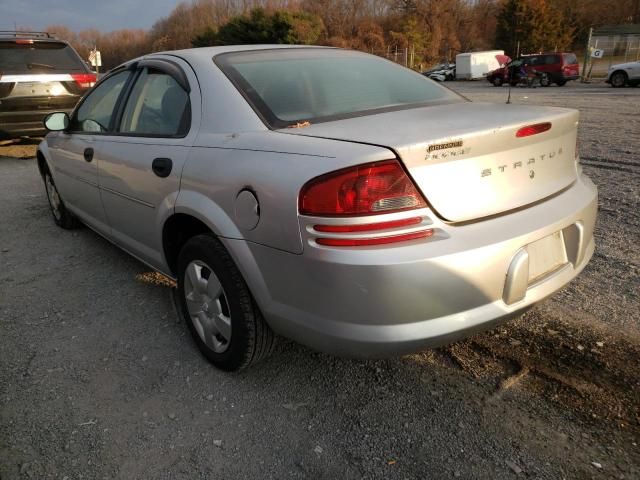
570	58
38	57
289	86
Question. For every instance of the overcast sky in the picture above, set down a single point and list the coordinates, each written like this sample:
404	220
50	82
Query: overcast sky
104	15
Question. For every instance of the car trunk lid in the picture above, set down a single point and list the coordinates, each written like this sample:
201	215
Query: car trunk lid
466	158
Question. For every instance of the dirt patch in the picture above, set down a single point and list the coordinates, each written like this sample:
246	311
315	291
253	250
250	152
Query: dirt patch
586	367
21	148
156	278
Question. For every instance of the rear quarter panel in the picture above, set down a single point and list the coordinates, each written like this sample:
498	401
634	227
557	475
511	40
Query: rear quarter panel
272	165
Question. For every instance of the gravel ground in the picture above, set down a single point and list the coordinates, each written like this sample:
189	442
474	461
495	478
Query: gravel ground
98	379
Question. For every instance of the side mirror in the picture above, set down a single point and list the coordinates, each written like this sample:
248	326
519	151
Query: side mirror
57	121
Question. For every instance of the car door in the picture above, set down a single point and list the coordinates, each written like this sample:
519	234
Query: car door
141	162
74	152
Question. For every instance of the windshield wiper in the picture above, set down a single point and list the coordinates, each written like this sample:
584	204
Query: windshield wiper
39	65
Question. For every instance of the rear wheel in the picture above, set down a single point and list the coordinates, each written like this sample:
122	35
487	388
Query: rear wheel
63	217
497	82
545	81
618	79
220	312
561	83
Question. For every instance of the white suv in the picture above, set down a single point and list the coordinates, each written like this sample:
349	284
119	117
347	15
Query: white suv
624	74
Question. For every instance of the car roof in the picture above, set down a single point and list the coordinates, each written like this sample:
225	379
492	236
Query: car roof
29	37
546	53
210	52
17	35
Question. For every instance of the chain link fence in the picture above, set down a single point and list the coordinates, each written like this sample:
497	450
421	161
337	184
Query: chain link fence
403	56
612	50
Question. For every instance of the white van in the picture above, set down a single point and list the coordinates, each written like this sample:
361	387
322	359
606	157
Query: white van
474	65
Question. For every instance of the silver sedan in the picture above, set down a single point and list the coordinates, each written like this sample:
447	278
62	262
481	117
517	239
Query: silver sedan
325	195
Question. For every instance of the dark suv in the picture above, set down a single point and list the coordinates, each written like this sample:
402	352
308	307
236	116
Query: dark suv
559	68
39	74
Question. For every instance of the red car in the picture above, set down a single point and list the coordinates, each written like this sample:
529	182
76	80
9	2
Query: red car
558	68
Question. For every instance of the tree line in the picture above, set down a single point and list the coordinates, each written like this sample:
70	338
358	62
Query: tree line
434	30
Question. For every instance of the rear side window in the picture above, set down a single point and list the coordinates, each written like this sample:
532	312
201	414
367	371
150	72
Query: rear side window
157	106
551	59
570	58
38	57
288	86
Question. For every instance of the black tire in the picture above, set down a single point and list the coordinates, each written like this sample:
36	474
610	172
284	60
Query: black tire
618	79
545	80
251	338
63	217
561	83
497	81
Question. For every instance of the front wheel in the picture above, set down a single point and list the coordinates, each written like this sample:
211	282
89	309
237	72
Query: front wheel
618	79
497	82
218	307
63	217
545	81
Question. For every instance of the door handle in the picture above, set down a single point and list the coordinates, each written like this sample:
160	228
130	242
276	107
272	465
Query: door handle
88	154
162	167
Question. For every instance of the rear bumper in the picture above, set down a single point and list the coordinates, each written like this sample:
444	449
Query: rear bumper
380	301
28	123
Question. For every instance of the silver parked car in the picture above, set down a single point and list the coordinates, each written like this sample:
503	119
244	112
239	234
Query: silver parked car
327	195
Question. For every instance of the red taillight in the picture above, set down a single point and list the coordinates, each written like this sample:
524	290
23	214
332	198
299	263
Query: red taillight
23	41
84	80
368	227
381	187
361	242
533	129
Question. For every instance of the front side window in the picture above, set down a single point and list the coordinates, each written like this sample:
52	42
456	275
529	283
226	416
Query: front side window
291	85
532	61
157	106
94	115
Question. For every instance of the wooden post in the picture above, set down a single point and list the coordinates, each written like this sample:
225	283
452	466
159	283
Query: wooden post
626	50
588	76
587	53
